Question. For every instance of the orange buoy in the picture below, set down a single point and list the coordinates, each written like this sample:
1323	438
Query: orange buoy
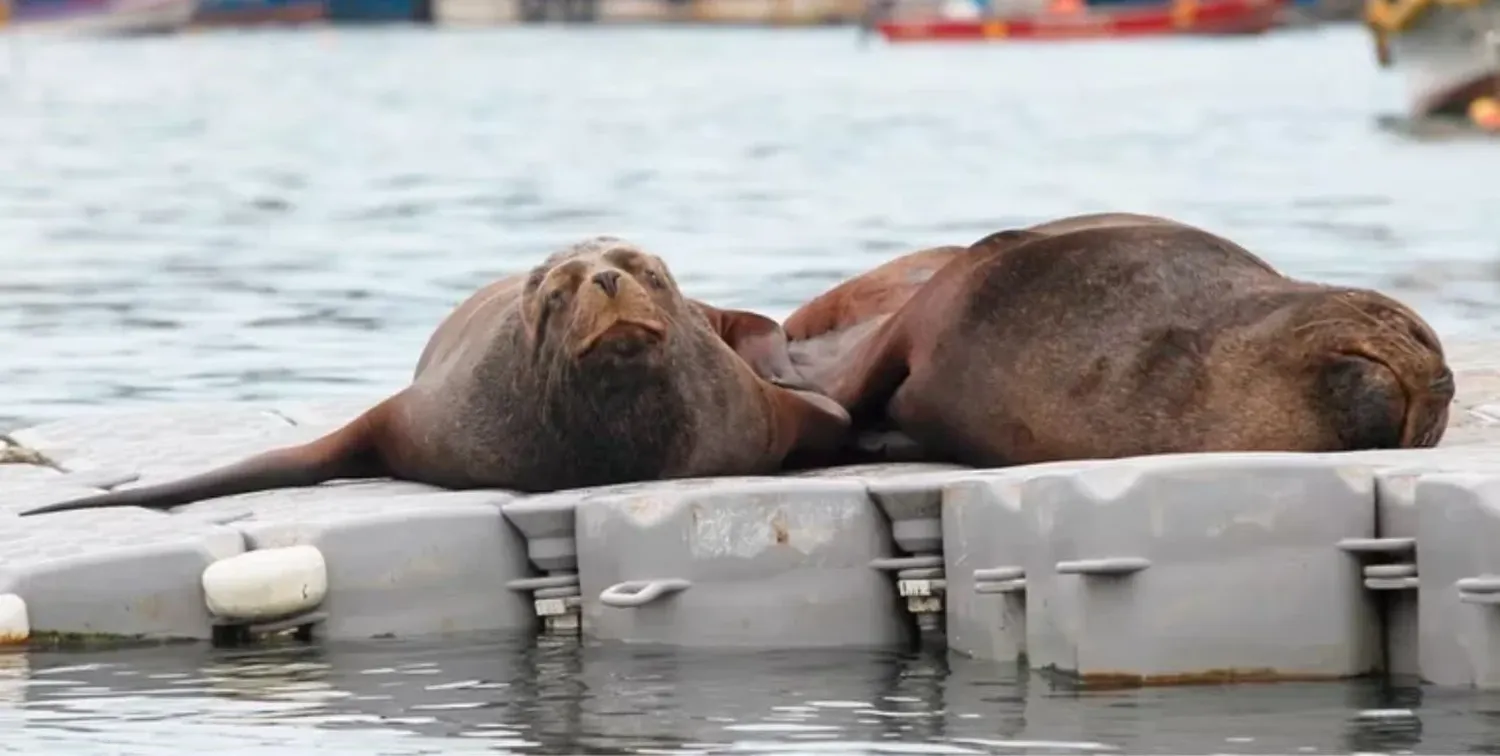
1485	113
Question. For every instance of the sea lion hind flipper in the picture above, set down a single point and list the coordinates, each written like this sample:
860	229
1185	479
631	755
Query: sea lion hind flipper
345	453
759	341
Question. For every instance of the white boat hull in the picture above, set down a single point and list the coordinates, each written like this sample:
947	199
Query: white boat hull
1444	51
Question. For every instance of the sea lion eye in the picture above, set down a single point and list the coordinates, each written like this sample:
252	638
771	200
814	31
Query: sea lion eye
555	298
653	278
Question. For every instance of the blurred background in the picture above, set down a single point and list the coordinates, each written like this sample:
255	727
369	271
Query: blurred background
272	199
277	200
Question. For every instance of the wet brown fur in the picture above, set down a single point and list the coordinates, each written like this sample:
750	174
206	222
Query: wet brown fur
591	369
1118	335
825	330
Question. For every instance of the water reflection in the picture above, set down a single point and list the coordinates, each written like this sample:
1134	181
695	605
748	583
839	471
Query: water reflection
512	693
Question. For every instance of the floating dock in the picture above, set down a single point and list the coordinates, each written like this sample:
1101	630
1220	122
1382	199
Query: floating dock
1158	570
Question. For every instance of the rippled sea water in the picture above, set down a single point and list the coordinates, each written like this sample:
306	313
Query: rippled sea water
289	214
286	215
489	694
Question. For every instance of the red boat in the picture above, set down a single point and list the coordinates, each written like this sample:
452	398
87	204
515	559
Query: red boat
1174	17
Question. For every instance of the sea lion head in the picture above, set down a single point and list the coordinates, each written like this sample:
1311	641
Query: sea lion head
601	299
1378	366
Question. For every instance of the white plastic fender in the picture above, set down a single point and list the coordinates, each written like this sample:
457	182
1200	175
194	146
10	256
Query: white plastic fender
266	583
15	624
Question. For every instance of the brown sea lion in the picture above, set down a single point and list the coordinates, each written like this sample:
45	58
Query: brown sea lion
1123	338
823	332
827	328
592	369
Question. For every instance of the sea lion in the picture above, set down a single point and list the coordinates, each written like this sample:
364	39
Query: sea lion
1120	338
826	329
828	326
591	369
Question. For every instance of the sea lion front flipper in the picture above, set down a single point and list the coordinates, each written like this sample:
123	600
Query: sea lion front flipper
759	341
871	374
348	452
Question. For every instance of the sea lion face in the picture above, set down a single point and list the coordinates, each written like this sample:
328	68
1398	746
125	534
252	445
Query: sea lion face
601	299
1381	367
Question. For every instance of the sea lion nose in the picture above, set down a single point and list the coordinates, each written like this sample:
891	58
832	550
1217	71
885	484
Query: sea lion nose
608	280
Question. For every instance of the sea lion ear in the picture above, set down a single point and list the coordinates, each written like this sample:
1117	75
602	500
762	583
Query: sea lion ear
1006	239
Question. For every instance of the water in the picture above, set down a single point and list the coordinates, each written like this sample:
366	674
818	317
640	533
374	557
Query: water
286	215
502	694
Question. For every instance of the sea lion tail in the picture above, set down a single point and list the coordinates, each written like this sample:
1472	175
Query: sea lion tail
345	453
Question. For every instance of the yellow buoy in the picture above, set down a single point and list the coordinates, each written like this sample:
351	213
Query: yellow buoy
1485	113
